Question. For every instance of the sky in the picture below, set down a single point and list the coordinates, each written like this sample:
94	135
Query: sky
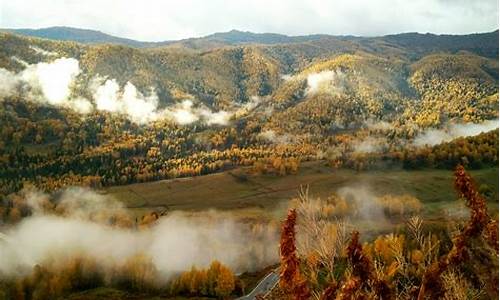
159	20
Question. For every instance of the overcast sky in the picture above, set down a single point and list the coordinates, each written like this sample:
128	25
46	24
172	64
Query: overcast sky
156	20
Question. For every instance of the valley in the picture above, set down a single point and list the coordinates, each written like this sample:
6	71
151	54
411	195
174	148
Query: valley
261	196
355	167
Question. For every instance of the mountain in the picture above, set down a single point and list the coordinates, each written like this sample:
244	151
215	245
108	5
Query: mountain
485	44
245	64
84	36
129	114
236	37
241	37
233	37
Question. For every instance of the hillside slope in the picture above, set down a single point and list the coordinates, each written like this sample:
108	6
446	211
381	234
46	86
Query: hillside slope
107	114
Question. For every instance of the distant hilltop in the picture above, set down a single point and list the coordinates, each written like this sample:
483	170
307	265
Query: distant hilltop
236	37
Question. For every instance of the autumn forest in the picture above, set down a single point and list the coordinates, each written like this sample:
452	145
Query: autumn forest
248	166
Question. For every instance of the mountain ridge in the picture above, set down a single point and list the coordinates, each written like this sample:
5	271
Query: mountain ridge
80	35
229	38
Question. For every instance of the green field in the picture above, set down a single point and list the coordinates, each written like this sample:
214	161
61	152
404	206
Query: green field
239	189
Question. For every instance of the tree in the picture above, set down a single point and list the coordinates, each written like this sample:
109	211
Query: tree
290	278
225	282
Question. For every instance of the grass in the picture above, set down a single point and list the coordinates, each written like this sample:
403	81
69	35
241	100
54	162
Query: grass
261	195
257	197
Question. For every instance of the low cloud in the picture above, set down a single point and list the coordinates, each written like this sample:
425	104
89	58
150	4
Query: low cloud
46	82
52	82
275	138
378	125
42	51
183	113
53	79
128	101
364	201
326	81
174	243
433	137
186	112
369	145
9	83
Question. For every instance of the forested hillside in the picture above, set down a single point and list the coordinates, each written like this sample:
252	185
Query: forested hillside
108	114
